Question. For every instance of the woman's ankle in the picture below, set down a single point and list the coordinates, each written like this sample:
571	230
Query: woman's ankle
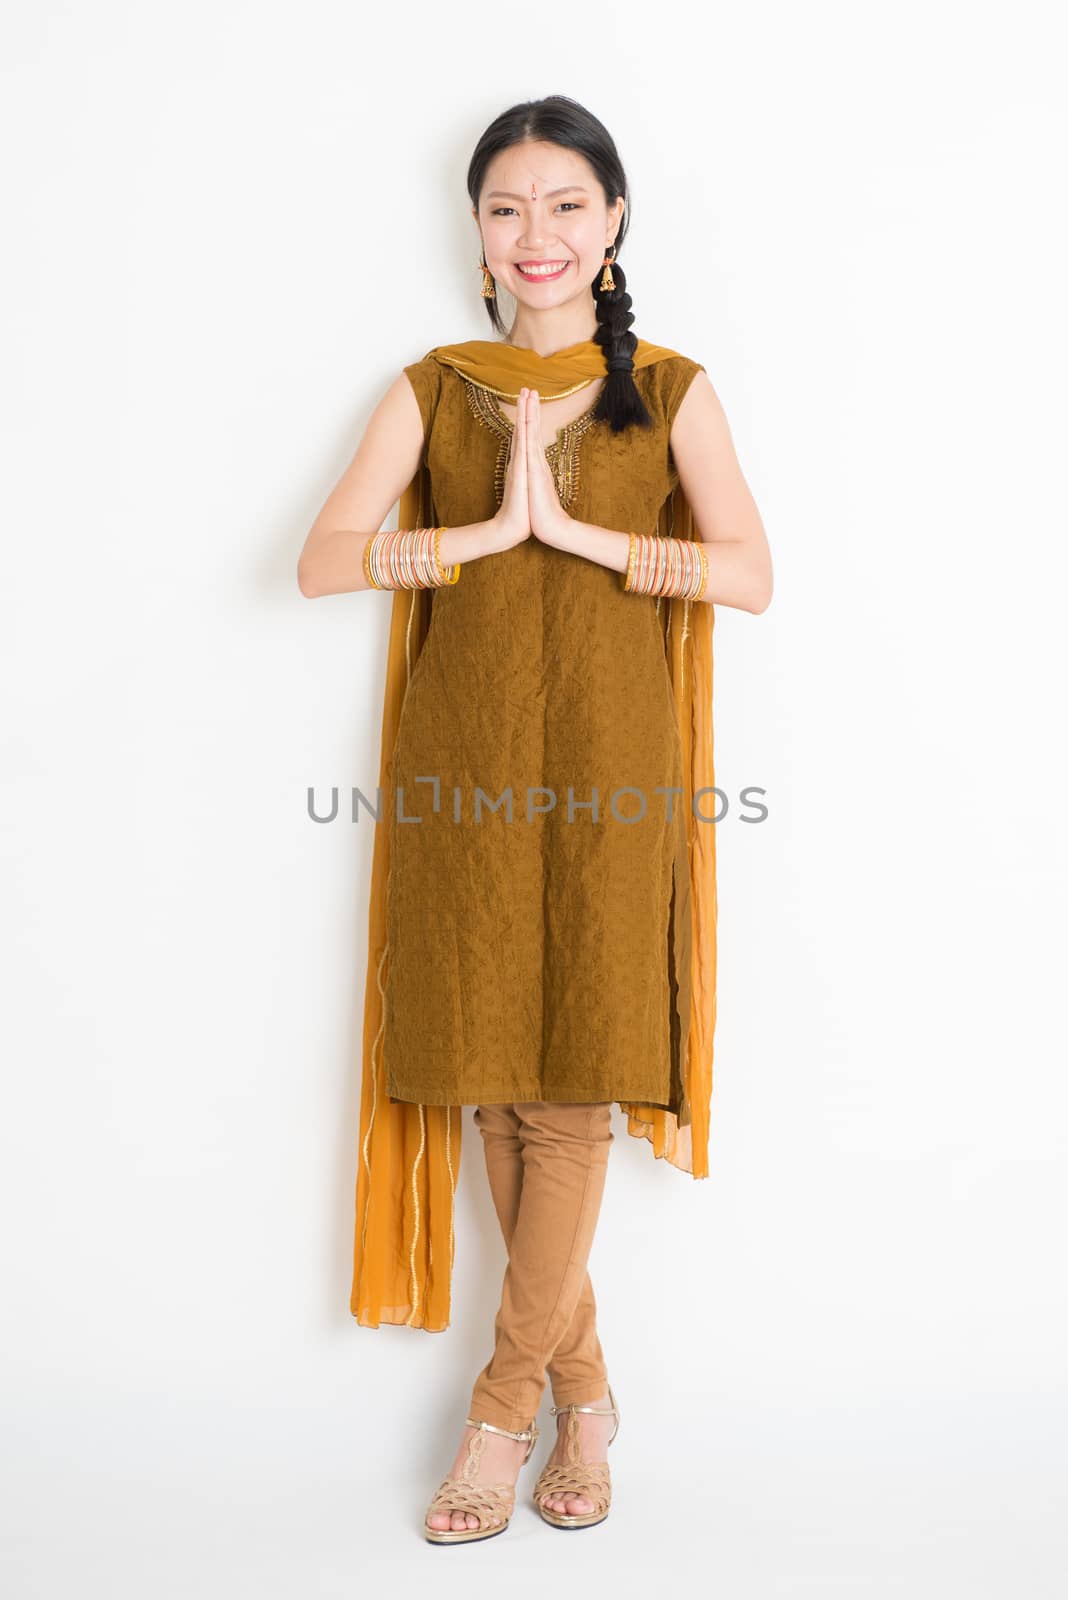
579	1398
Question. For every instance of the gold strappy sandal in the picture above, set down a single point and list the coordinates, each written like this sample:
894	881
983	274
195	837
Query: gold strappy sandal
492	1504
590	1479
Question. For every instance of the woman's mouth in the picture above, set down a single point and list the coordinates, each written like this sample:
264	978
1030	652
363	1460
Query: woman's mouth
541	271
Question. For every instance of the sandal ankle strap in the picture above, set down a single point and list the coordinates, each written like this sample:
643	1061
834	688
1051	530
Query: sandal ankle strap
491	1427
597	1411
530	1434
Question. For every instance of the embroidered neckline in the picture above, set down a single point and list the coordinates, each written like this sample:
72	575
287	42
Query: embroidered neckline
583	421
562	455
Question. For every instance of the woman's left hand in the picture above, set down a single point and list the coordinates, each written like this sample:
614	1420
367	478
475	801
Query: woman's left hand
549	521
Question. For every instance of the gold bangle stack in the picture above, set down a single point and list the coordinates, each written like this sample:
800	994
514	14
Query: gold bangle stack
407	558
675	567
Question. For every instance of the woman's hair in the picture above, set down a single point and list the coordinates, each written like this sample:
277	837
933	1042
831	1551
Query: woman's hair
559	120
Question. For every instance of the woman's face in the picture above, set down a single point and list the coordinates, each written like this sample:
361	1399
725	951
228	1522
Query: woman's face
523	218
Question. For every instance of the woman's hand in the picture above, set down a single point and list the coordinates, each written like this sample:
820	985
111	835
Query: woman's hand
511	524
548	519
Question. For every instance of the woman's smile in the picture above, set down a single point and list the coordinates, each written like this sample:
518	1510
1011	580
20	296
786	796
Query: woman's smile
535	270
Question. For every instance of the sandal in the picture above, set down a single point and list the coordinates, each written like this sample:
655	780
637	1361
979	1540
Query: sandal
492	1504
590	1479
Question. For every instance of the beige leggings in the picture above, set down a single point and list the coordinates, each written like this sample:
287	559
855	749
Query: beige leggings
546	1165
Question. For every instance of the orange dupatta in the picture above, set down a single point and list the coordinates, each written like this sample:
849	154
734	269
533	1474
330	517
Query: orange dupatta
409	1155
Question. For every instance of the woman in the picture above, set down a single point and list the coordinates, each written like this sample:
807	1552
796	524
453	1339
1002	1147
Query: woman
542	930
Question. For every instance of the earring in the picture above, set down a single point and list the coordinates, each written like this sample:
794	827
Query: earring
488	290
607	281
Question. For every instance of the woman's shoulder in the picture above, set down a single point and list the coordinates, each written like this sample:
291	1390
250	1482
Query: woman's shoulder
425	378
426	367
665	361
665	379
429	373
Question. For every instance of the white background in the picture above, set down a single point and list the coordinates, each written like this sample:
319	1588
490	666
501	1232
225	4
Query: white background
228	227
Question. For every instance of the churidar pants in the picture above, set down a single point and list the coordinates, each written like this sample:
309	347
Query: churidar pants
546	1165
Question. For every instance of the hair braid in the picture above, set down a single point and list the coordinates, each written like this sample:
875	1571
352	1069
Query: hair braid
619	403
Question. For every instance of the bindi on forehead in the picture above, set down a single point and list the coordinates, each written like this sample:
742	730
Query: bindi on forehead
550	194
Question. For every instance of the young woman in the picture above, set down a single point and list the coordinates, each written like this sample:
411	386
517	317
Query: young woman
542	928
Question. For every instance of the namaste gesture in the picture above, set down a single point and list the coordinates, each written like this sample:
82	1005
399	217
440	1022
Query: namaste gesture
530	505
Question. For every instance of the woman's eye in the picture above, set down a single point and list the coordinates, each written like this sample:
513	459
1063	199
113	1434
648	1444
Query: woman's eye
500	210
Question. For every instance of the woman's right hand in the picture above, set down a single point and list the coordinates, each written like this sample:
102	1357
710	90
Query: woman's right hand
511	524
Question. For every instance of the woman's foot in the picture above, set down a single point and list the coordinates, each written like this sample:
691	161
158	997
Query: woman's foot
500	1462
594	1433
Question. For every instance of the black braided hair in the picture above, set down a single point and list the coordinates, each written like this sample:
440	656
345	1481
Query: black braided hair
557	119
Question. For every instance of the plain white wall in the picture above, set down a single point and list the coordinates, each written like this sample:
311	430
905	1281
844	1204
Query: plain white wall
229	227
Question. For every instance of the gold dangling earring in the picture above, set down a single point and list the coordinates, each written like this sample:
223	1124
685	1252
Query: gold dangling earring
607	281
489	292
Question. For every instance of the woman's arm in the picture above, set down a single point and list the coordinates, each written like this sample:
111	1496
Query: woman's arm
385	462
739	560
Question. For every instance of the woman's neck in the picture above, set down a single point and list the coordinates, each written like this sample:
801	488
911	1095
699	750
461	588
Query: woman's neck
547	332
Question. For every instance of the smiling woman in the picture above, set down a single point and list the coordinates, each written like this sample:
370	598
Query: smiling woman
570	508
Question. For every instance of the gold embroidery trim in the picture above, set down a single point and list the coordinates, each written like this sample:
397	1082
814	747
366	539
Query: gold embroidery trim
562	455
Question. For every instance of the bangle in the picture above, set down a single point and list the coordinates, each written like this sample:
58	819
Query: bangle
368	574
629	579
666	566
407	559
444	571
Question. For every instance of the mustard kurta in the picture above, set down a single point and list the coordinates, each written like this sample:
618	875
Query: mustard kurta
536	953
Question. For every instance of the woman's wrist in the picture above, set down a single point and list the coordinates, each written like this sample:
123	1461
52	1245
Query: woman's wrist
467	543
609	547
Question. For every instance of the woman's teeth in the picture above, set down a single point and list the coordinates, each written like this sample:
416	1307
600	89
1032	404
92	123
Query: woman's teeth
550	269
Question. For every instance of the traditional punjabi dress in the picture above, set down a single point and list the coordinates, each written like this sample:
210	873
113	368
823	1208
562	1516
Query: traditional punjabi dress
554	939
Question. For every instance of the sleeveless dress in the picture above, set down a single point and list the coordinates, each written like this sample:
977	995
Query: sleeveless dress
535	841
